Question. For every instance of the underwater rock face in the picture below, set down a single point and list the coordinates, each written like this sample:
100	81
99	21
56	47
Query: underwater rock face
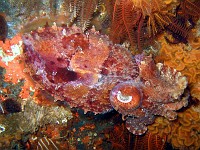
91	73
3	28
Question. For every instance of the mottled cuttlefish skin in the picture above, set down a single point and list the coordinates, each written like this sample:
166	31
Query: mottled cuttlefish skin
156	91
90	72
80	68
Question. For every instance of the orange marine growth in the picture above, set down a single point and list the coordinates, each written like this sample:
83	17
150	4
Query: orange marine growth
11	60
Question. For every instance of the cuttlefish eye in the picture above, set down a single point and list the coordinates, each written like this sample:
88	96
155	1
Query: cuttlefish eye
125	97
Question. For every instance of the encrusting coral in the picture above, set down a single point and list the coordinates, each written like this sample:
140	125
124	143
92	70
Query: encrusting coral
185	132
181	133
184	58
161	126
10	55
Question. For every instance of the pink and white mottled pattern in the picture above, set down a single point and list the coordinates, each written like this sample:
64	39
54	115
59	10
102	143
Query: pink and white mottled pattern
160	93
76	67
91	73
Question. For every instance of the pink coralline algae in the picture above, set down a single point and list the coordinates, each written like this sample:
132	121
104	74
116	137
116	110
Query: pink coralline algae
91	73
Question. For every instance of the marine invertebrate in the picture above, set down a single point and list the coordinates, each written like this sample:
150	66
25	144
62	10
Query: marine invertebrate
140	21
122	21
187	14
86	10
87	81
185	131
150	141
122	142
195	88
48	143
34	13
189	8
179	30
64	68
127	97
148	103
182	133
184	59
161	127
10	55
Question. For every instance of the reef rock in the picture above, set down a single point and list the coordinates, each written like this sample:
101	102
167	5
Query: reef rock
91	73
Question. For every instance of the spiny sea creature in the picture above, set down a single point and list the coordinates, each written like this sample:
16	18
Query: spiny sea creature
189	8
124	19
122	141
140	21
150	141
87	9
179	31
180	25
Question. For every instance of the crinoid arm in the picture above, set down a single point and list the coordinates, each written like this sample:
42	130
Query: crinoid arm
125	17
